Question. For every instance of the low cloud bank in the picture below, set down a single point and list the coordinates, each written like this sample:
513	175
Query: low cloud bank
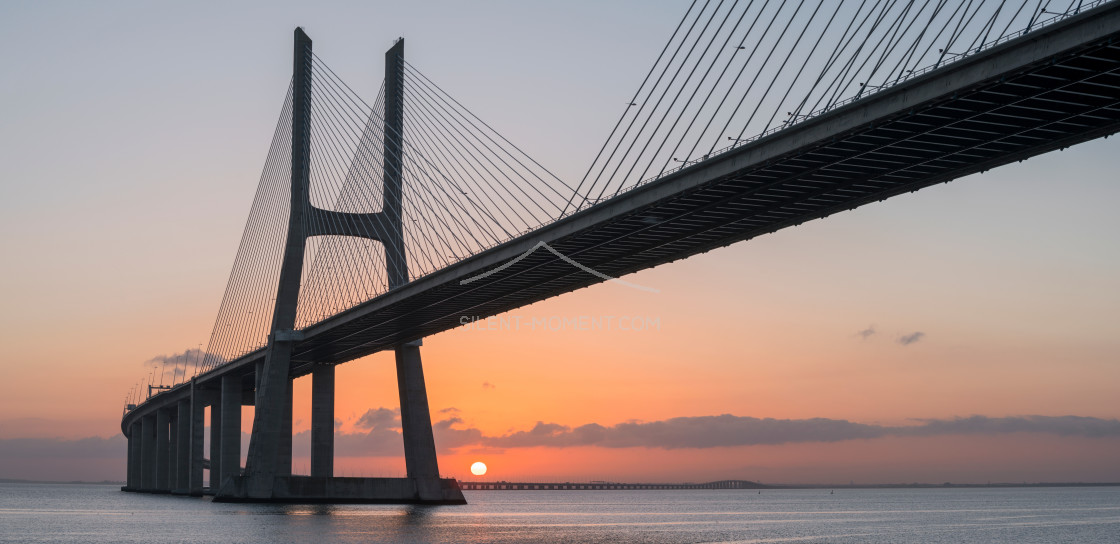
381	435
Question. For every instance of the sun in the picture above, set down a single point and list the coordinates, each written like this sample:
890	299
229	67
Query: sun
478	468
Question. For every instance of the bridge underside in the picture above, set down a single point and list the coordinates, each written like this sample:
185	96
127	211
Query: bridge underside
838	161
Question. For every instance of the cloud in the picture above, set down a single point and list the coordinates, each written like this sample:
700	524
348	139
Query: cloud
487	385
699	432
380	419
728	430
174	368
1089	427
59	448
690	432
19	455
908	339
382	436
865	333
449	437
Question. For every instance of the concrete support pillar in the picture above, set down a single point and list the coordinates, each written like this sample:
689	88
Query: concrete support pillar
284	451
182	481
162	449
231	427
130	472
416	423
173	448
134	469
148	452
322	421
215	442
197	440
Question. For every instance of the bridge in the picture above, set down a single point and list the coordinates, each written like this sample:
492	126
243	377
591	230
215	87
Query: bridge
376	225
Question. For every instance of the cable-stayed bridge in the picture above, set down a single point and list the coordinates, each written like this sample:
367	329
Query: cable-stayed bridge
377	223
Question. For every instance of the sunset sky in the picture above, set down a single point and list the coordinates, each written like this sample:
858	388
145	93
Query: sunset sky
969	332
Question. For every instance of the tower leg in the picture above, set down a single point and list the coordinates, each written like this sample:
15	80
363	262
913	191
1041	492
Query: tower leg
416	423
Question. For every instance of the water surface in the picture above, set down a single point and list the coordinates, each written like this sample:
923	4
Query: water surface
59	513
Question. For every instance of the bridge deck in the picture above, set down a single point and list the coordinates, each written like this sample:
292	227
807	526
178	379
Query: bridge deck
1055	87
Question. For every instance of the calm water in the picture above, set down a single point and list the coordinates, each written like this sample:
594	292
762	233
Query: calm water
87	513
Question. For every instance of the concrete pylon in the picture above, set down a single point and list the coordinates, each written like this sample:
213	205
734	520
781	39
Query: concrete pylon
416	423
230	450
215	442
197	438
135	439
322	421
182	482
163	446
173	447
148	452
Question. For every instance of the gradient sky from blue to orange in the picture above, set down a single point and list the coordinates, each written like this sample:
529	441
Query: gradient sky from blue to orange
133	136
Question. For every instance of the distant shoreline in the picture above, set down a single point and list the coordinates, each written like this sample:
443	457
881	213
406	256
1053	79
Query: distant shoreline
743	485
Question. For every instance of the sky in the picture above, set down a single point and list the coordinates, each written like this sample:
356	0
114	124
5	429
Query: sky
967	332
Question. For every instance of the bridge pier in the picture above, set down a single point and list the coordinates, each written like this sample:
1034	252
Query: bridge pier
148	452
162	449
215	442
322	421
182	484
197	440
134	440
416	423
229	449
172	447
284	449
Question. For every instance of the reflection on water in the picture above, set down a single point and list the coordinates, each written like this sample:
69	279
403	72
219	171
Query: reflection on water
87	513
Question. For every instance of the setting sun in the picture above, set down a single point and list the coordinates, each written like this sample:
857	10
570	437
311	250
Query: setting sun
479	468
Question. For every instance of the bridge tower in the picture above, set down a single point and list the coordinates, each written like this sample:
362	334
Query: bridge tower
265	478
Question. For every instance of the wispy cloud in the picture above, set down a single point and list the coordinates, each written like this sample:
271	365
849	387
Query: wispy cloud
908	339
383	437
866	333
59	448
380	419
174	368
717	431
729	430
487	385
